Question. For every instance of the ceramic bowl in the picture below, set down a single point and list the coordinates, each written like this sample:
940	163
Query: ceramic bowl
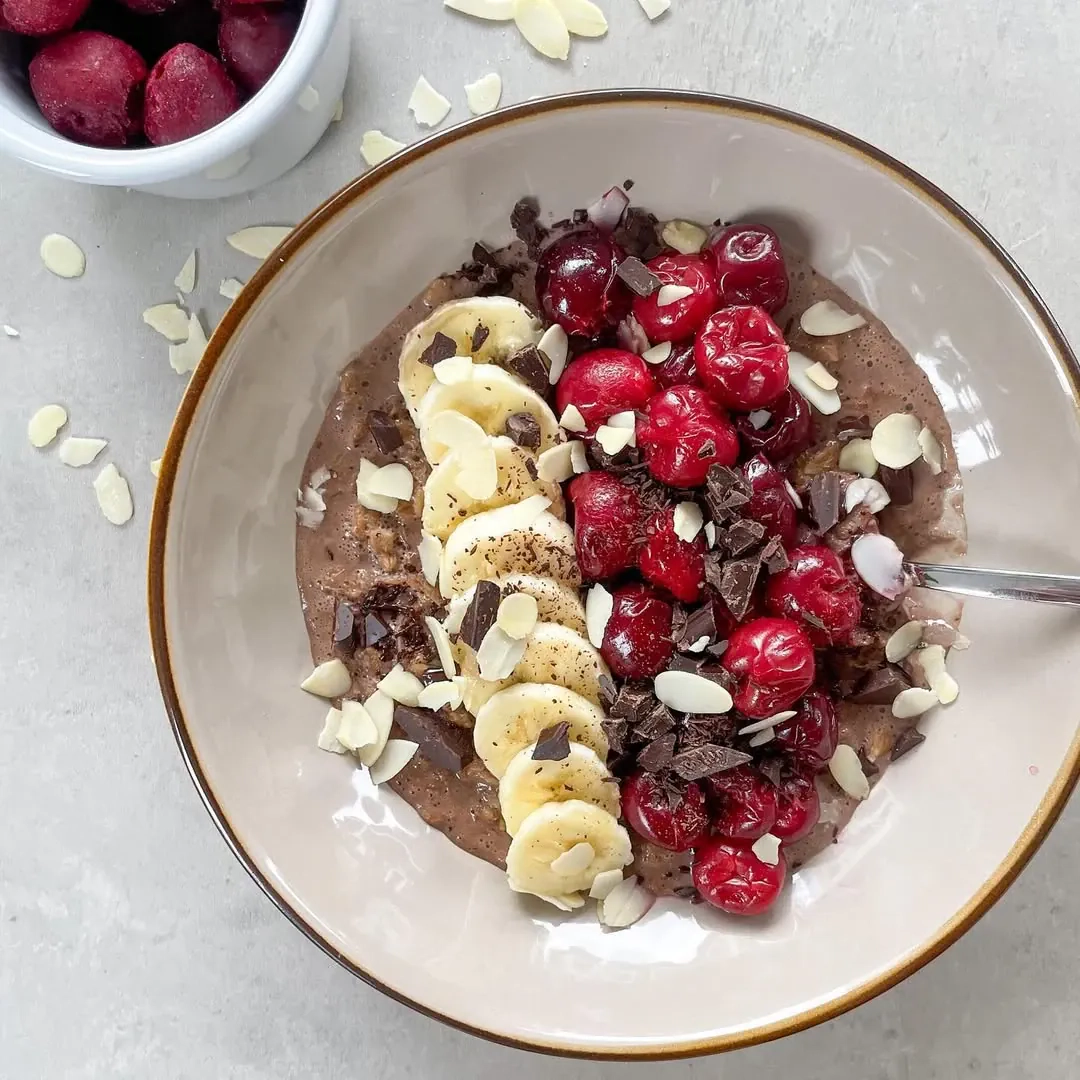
260	142
354	868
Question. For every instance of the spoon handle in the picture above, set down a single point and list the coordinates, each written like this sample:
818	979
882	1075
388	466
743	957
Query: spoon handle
998	584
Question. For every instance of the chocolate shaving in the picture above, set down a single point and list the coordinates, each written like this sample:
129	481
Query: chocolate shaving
608	691
658	754
679	617
384	431
632	703
344	624
524	429
742	535
707	760
906	741
737	581
479	336
441	348
627	185
618	733
774	556
772	769
525	221
480	616
899	483
659	721
553	743
528	365
725	492
880	687
441	741
638	234
825	500
638	277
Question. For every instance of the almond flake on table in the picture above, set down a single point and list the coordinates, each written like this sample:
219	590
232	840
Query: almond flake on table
932	661
381	710
543	27
443	648
10	331
654	8
395	756
454	369
895	440
880	563
45	423
672	294
308	99
328	737
479	477
483	97
258	241
865	490
818	373
579	460
186	356
77	451
847	771
394	481
658	354
169	320
62	256
329	679
230	288
826	318
826	402
555	345
684	236
427	105
113	495
555	464
768	722
760	738
493	10
575	860
185	280
699	645
375	147
582	17
604	883
599	604
759	418
517	615
912	702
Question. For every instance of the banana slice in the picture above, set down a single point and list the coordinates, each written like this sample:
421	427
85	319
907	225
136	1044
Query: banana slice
561	847
489	397
528	784
509	539
447	505
511	326
513	718
555	603
553	654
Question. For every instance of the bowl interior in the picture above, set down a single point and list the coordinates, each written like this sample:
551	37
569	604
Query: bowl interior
943	831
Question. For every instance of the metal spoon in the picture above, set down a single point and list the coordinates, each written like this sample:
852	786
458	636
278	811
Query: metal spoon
998	584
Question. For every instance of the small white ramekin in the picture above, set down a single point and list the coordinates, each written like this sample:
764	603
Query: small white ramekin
264	139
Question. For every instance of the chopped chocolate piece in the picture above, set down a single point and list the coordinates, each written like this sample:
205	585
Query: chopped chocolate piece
899	483
849	528
658	721
714	569
553	743
626	463
825	499
880	687
774	556
440	740
524	429
906	741
375	629
531	469
441	348
633	702
638	234
525	221
627	185
707	760
771	768
608	691
638	277
344	624
528	365
853	427
480	616
701	622
870	770
482	254
717	649
479	336
674	790
725	492
618	733
384	431
680	662
686	892
742	535
580	217
658	754
737	581
697	731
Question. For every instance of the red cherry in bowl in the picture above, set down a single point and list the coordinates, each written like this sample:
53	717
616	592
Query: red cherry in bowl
577	284
770	501
40	18
672	563
648	812
637	639
253	40
188	91
608	524
604	382
785	433
750	267
810	737
742	358
732	878
816	591
683	434
744	803
772	662
798	808
680	318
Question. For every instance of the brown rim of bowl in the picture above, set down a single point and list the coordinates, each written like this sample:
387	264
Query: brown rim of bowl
1036	829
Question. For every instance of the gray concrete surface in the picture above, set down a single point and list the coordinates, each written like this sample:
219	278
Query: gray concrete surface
131	943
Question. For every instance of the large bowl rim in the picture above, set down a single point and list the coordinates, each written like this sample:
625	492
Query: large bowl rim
993	888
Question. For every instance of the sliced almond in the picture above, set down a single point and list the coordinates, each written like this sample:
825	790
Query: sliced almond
579	460
688	520
308	99
613	439
543	27
710	534
375	147
625	419
699	645
658	354
394	481
857	456
381	504
818	373
931	451
45	423
826	402
767	849
624	905
155	467
895	440
443	648
654	8
455	614
185	280
328	739
9	331
768	722
684	236
912	702
76	451
760	738
186	356
401	686
258	241
395	756
555	345
575	860
555	464
599	604
454	369
793	495
427	104
604	883
62	256
308	518
880	563
113	495
572	420
430	549
478	476
484	94
672	294
582	17
320	477
169	320
380	708
904	641
495	10
499	654
357	730
517	615
230	288
440	695
932	661
330	679
686	691
847	771
455	430
868	491
826	318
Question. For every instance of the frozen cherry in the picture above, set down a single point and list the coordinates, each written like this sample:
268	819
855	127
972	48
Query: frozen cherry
770	501
786	432
750	266
683	434
40	17
772	662
670	562
89	86
637	639
149	7
187	92
604	382
810	737
577	284
254	40
647	811
608	524
742	358
817	591
732	878
682	318
744	803
678	369
798	808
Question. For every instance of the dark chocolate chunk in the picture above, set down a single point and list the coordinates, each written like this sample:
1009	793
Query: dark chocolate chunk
899	483
880	687
375	629
772	769
531	469
853	427
658	754
639	234
344	624
440	740
707	760
480	617
627	185
579	217
633	702
725	492
638	277
528	365
697	731
825	500
608	691
658	721
869	768
681	662
700	623
717	649
618	734
524	429
525	221
441	348
714	569
742	535
483	255
737	581
553	743
384	431
479	336
906	742
774	556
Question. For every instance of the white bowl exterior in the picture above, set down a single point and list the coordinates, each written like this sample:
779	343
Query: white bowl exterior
257	144
400	901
